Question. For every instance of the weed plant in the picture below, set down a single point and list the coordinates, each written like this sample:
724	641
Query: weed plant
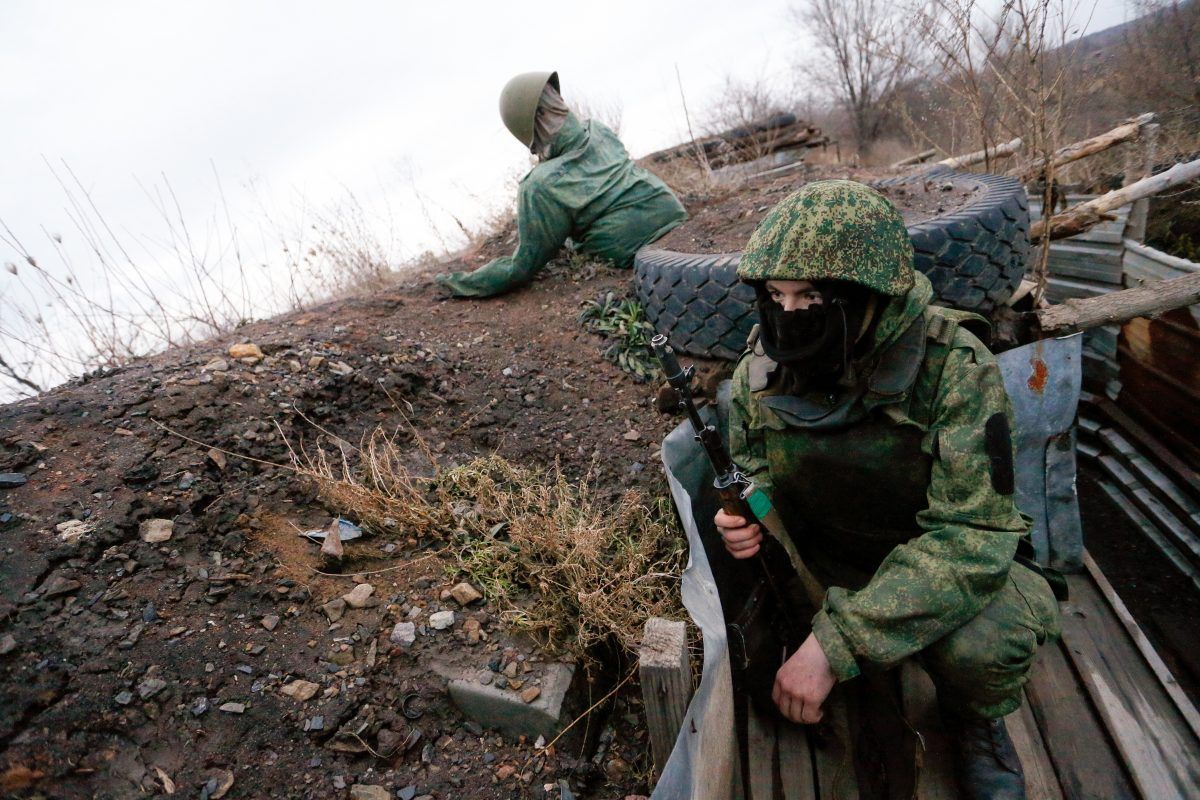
559	560
622	322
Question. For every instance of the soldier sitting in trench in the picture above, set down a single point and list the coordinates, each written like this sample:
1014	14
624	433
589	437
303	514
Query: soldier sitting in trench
585	188
879	426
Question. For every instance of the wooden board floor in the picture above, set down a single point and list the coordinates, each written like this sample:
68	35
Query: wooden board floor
1103	720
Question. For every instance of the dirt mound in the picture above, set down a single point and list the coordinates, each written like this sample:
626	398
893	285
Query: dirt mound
724	223
129	665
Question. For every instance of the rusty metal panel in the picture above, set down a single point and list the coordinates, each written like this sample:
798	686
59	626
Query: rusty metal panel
1043	381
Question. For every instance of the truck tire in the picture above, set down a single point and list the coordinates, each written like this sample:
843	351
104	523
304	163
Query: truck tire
974	257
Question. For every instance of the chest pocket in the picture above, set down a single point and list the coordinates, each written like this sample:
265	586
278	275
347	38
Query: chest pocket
855	492
855	487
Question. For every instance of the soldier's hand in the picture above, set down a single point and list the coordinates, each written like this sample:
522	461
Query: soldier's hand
741	540
803	683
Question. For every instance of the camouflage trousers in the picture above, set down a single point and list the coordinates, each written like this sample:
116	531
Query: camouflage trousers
981	667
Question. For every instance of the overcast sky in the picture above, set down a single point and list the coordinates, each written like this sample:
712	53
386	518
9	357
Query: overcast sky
302	102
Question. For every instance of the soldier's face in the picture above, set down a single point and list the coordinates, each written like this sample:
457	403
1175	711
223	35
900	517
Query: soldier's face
794	295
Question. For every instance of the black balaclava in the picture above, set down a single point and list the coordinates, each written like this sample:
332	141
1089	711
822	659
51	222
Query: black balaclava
814	345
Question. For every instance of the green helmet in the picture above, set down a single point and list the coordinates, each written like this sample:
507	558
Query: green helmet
832	230
519	102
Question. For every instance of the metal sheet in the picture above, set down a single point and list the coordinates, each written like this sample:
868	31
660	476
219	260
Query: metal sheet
704	764
1043	381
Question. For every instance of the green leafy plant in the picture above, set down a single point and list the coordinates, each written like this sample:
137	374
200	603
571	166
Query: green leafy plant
622	321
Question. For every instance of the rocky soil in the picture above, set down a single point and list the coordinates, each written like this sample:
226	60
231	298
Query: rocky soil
162	628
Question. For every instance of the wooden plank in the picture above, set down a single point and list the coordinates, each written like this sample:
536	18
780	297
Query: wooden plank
666	679
1084	760
832	756
935	766
796	763
1040	780
762	750
1153	660
1160	750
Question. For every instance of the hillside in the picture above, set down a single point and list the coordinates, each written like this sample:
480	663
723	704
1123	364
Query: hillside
118	655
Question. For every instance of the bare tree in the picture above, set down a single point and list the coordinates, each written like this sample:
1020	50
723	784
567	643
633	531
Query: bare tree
864	51
1159	57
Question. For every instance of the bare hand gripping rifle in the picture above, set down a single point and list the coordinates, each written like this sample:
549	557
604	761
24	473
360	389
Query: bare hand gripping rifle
740	497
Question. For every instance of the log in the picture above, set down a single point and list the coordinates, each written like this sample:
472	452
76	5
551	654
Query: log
1115	308
666	680
740	144
1127	131
979	156
1085	215
919	158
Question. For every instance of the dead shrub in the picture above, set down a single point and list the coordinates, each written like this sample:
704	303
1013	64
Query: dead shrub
560	562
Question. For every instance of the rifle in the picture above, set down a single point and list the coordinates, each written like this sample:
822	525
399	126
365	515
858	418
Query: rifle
740	497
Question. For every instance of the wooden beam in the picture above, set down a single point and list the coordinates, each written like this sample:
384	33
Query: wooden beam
1083	759
1153	659
1040	780
935	764
1138	165
1085	215
980	156
1079	314
1159	749
666	679
761	747
919	158
1127	131
795	762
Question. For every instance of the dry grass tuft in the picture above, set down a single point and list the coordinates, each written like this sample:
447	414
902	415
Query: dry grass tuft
560	562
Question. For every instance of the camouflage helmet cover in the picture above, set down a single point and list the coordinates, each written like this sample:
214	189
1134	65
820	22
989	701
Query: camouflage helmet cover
519	101
832	230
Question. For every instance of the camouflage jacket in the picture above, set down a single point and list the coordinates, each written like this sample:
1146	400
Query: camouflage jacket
896	488
588	190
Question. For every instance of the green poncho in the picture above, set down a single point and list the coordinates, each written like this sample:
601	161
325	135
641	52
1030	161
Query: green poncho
587	190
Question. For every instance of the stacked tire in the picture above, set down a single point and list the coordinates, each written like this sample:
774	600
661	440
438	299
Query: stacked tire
974	256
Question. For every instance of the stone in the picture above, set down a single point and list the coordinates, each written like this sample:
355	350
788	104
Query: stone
216	365
506	711
367	791
359	596
632	435
217	458
124	698
531	694
232	708
7	644
153	531
407	793
440	620
218	784
11	480
315	362
505	772
150	687
270	621
199	706
465	594
72	530
340	368
334	609
246	350
301	690
58	585
403	634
